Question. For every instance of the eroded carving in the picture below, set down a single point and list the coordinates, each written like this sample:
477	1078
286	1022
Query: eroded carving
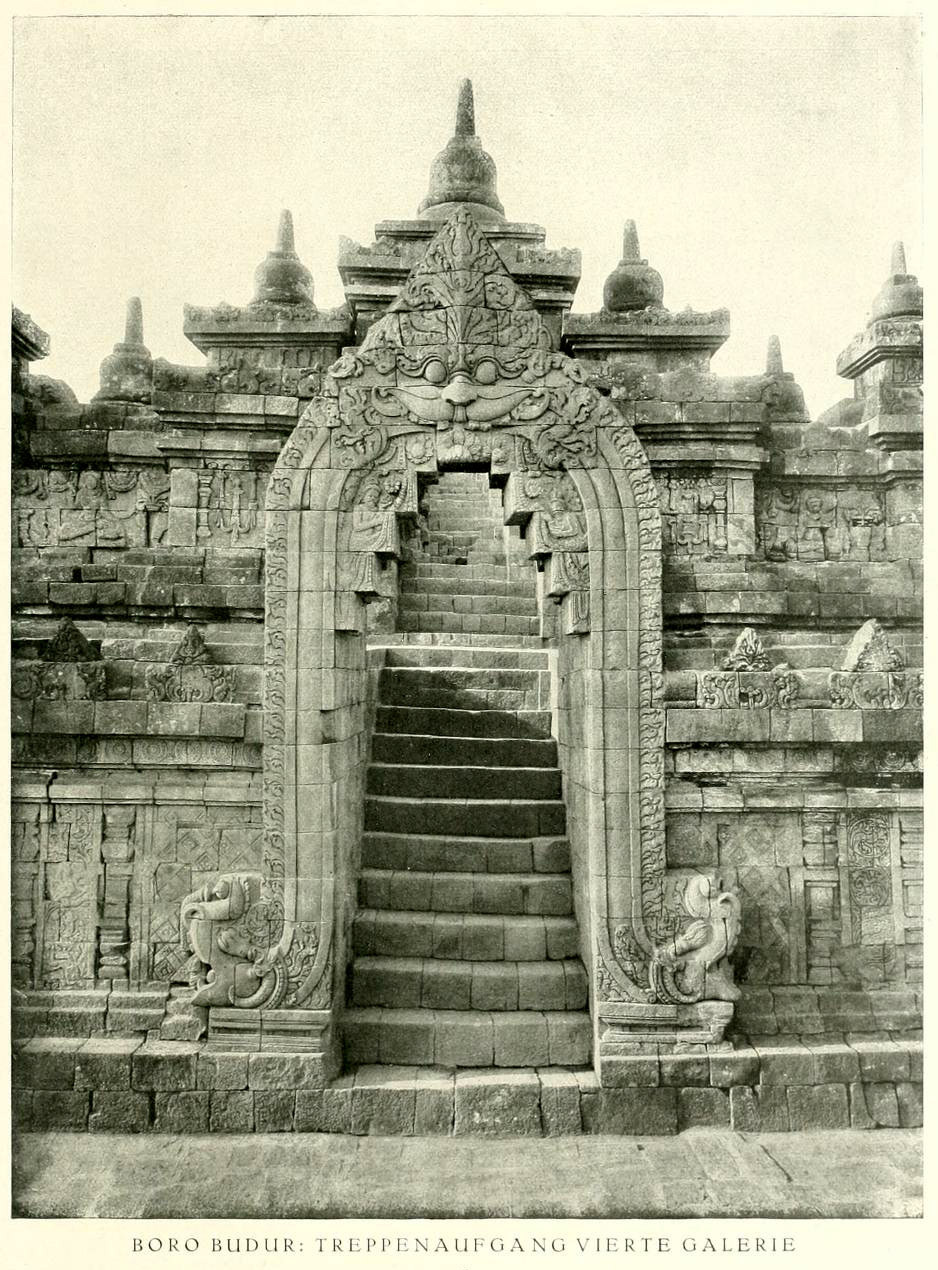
227	968
694	965
190	674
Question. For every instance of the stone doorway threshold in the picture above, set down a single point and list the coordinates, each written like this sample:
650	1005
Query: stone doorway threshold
699	1173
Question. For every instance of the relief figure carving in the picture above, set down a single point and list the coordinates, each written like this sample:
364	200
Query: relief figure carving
694	965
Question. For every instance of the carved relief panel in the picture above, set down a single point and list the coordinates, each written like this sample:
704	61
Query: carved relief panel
230	505
814	523
693	514
114	507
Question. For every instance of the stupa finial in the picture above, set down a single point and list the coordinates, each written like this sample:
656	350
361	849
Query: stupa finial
285	232
633	284
282	278
900	295
462	173
631	252
133	324
127	373
465	111
773	357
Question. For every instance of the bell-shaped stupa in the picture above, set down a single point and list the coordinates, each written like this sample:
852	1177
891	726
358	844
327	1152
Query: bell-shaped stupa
463	174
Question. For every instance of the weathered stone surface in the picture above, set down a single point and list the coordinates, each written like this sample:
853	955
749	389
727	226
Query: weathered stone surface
434	1106
186	1112
560	1102
383	1100
164	1065
222	1071
326	1110
763	1109
702	1108
631	1111
909	1098
881	1061
231	1111
274	1110
818	1107
119	1111
882	1104
284	1071
46	1063
105	1062
59	1109
497	1104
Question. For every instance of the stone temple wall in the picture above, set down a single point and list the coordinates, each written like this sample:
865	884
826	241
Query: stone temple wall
137	738
792	647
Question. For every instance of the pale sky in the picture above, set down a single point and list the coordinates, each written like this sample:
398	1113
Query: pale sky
769	162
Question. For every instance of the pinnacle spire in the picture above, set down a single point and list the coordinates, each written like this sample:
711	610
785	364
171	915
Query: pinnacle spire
285	233
898	259
773	357
631	252
133	325
465	111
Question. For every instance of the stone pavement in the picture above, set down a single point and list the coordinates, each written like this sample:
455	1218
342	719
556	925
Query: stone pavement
699	1173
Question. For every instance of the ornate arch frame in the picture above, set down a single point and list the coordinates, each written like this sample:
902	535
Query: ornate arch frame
459	372
316	743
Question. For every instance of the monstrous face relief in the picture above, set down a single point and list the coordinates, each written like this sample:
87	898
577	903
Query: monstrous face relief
464	389
464	350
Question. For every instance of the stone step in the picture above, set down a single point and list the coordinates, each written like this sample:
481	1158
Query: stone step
497	700
495	1102
484	560
516	818
451	519
418	601
463	936
451	539
482	556
466	657
440	569
455	639
411	983
467	1038
462	678
388	747
460	892
462	585
434	721
464	688
465	623
451	854
417	780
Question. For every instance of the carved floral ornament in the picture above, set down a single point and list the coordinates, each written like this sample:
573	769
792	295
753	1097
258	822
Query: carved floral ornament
873	677
190	674
464	351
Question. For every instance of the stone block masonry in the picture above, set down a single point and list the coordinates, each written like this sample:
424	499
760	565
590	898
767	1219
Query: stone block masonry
139	1085
454	715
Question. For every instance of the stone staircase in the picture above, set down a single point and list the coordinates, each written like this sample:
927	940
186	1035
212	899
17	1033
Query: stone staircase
460	582
465	943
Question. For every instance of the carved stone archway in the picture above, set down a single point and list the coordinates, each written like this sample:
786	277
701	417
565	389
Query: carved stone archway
459	372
